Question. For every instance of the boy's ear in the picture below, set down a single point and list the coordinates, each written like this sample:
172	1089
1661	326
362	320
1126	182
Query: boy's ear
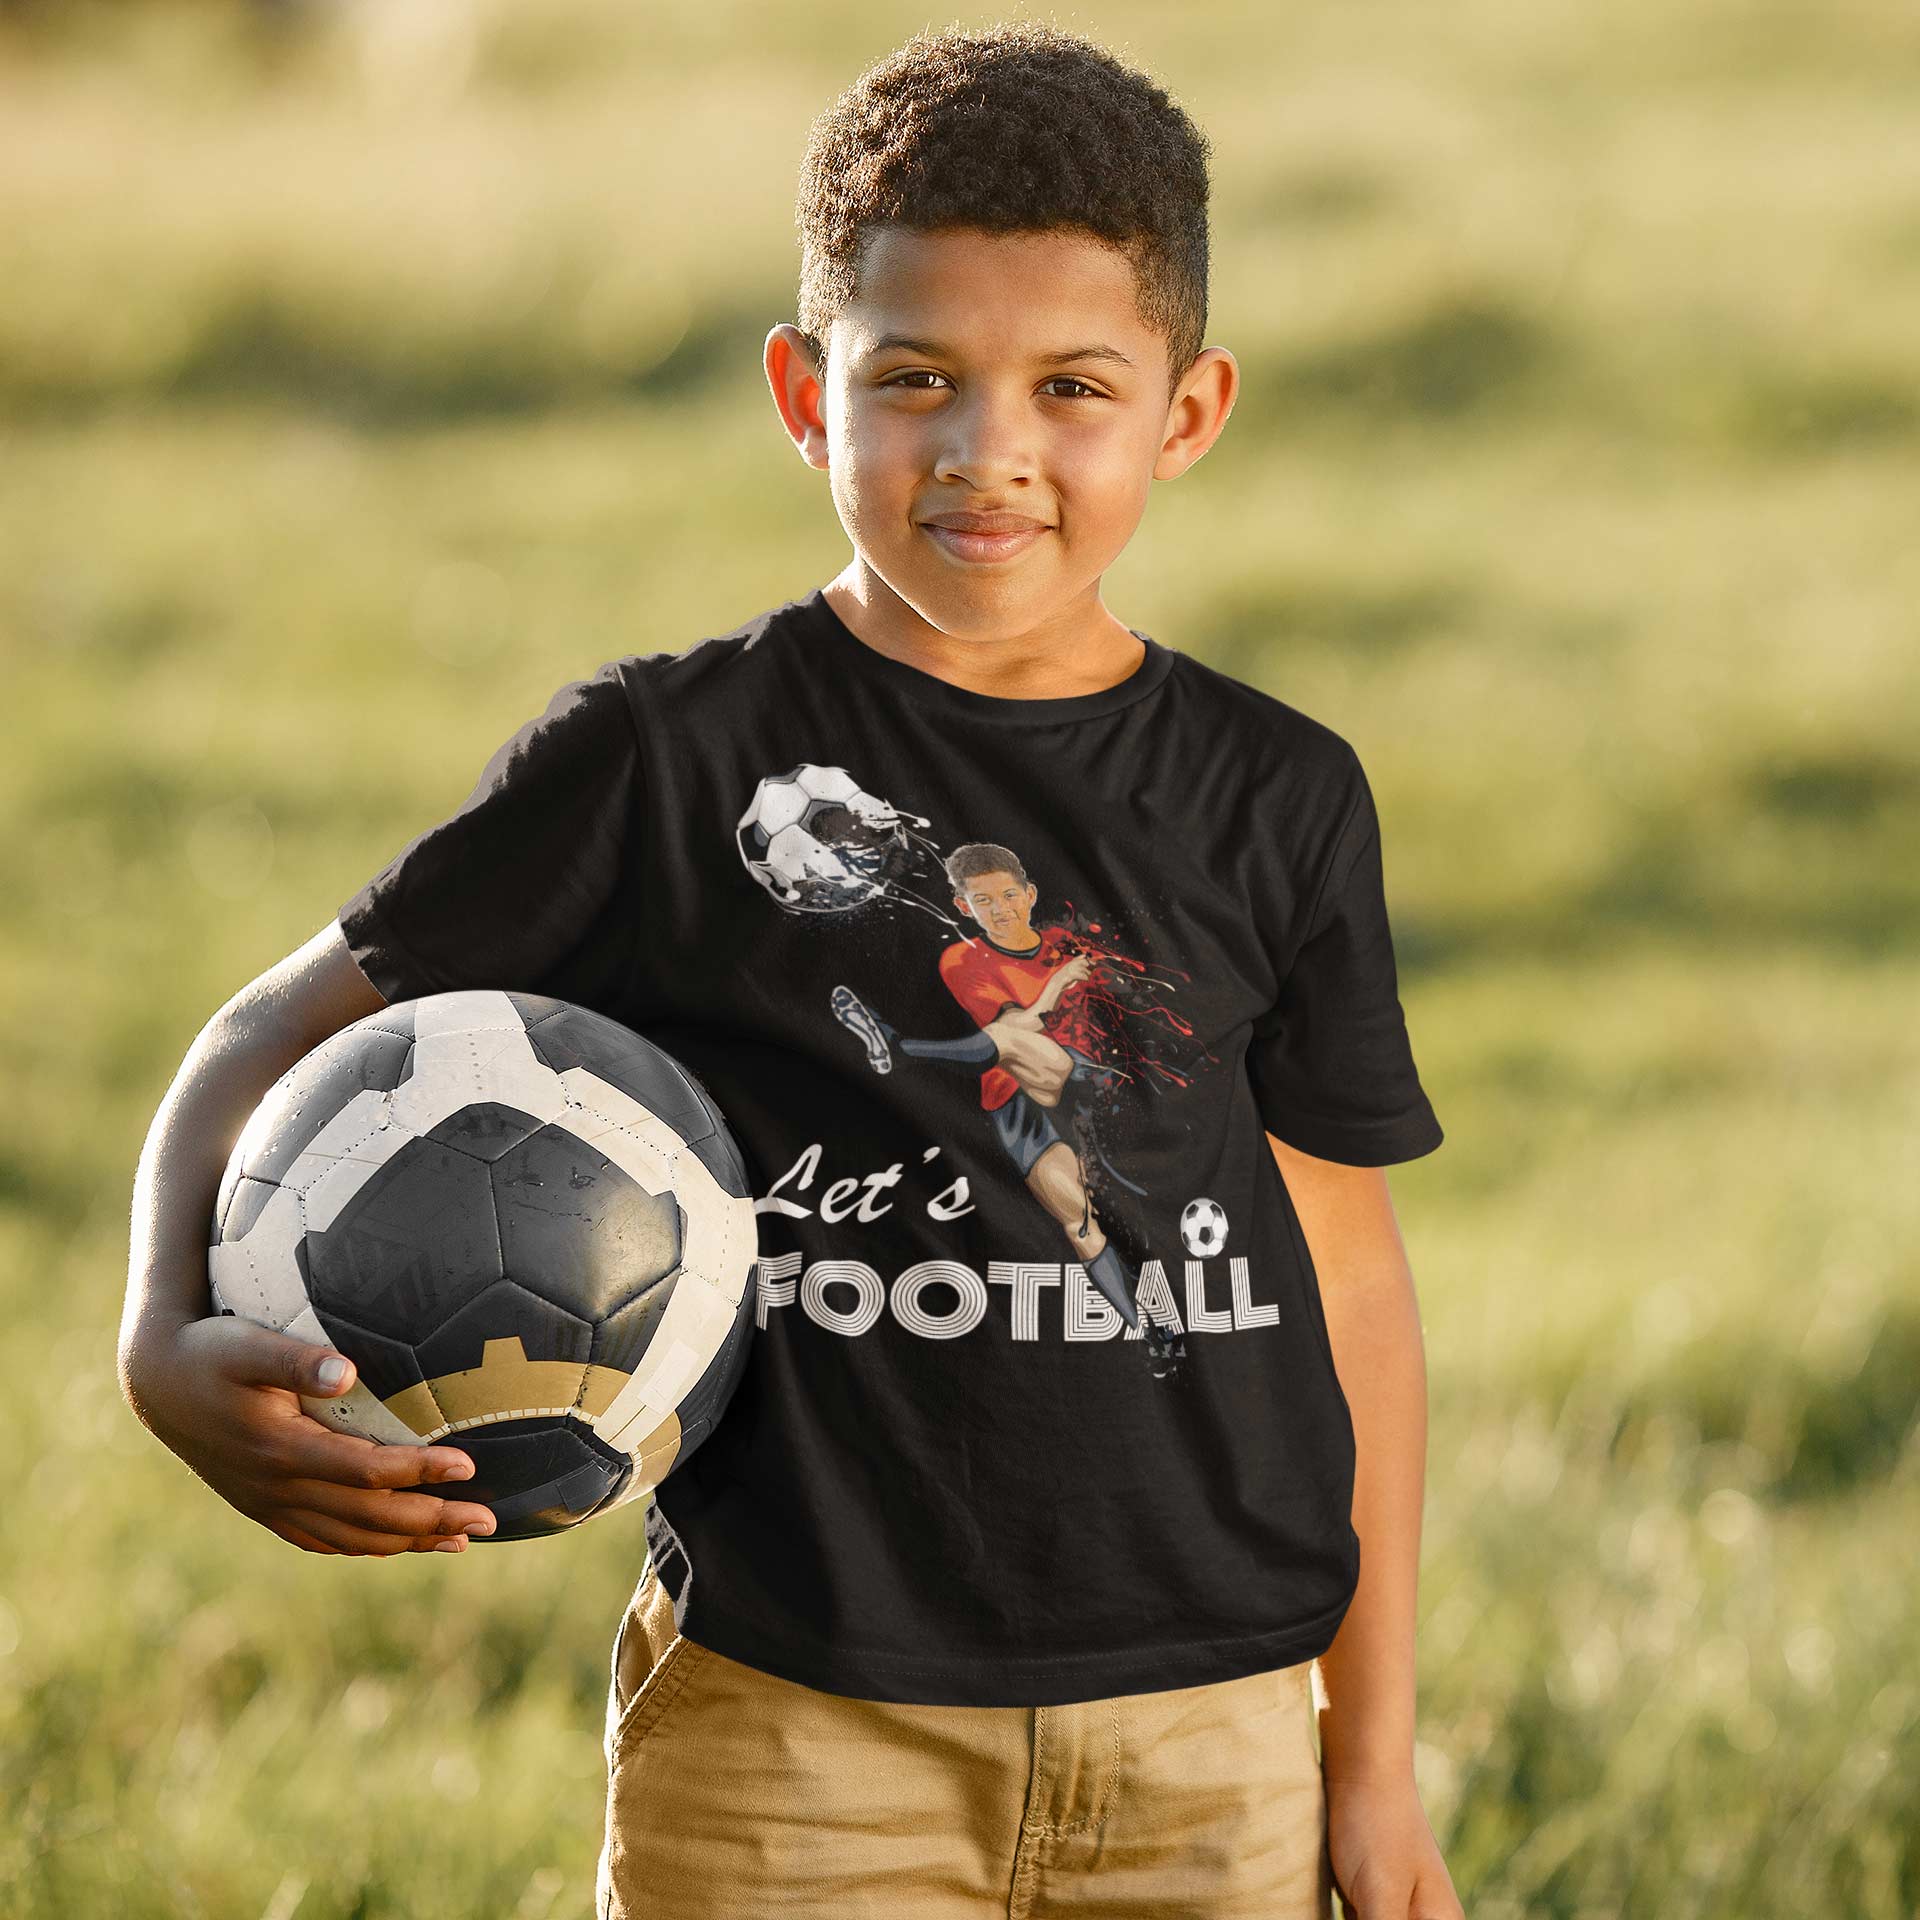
796	383
1198	410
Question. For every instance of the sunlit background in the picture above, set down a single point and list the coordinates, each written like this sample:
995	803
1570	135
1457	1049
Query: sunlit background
368	371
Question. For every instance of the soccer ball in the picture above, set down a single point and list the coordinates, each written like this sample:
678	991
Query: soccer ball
1203	1226
528	1228
818	842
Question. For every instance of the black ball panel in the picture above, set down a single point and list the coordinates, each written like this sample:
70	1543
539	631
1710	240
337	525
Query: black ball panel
485	1130
386	1367
622	1337
564	1036
538	1476
503	1312
578	1229
412	1246
571	1036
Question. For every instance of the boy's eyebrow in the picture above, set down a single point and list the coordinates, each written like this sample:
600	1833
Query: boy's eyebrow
911	343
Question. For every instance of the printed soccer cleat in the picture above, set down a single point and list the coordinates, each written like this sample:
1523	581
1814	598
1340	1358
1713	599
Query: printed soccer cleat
853	1013
1165	1348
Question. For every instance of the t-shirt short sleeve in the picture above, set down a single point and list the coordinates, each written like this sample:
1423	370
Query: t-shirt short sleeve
515	885
1331	1065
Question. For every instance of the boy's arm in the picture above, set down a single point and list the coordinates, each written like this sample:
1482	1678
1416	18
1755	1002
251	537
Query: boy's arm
221	1392
1366	1732
1069	973
262	1031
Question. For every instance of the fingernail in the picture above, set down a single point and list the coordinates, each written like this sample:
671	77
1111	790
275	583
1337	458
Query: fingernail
458	1467
333	1370
478	1529
449	1546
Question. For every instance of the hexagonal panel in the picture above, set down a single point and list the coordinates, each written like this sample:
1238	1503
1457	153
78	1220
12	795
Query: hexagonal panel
624	1336
503	1312
484	1130
574	1037
579	1230
413	1246
386	1367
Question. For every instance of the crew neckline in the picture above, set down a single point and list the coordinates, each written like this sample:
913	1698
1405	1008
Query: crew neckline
929	690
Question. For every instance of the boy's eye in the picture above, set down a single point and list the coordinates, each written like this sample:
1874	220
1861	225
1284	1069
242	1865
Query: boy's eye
922	373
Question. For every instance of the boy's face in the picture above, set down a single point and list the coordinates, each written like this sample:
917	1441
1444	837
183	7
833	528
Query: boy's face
1001	904
995	373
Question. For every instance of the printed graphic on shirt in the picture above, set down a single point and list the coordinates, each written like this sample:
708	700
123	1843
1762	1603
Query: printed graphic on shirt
1066	1021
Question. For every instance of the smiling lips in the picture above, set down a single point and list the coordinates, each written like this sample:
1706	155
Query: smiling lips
984	536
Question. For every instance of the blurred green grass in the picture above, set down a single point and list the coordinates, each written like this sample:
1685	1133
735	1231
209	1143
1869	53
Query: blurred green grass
405	363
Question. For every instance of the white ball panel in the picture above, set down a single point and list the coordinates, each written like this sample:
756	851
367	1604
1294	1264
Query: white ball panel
357	1412
828	783
793	853
777	804
473	1011
690	1333
722	1234
636	1140
258	1276
460	1068
350	1129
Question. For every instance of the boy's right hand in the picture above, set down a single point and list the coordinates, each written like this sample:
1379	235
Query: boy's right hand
224	1394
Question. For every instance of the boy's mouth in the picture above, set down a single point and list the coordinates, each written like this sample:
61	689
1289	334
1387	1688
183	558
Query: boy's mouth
977	547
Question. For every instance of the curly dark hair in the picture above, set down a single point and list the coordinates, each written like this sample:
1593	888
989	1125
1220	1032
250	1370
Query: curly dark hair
982	856
1016	127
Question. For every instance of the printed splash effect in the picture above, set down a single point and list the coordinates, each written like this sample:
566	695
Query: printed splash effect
1123	1012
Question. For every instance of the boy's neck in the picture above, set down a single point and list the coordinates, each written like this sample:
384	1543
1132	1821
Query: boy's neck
1077	649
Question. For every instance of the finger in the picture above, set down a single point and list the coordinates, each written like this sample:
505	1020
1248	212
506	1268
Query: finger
316	1452
259	1357
418	1515
343	1537
299	1537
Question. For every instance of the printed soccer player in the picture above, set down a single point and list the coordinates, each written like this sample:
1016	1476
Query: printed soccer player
1022	984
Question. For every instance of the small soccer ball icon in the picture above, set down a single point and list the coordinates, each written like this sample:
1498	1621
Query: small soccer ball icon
818	842
1203	1226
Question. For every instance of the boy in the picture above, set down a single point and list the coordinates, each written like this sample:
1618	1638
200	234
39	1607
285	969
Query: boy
965	1609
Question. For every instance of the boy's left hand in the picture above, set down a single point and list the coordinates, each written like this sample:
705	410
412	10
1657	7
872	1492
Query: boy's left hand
1386	1861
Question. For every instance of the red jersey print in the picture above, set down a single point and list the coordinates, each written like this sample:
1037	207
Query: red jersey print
987	979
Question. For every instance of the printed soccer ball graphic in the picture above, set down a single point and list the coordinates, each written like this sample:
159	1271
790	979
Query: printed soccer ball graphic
1203	1226
529	1229
818	842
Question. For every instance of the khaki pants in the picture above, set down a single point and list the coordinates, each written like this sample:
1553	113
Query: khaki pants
733	1793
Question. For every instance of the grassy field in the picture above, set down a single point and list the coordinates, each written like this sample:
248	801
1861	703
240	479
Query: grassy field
360	385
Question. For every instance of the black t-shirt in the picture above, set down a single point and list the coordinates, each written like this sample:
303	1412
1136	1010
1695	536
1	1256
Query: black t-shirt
952	1473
